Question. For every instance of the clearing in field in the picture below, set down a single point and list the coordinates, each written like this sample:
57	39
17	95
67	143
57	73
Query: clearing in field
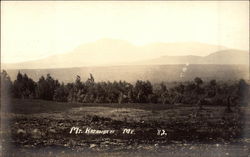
46	125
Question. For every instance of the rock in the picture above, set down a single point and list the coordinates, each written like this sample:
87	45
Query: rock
92	145
21	131
36	133
52	130
192	148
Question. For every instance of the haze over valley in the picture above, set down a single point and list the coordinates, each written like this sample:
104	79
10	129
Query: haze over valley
110	60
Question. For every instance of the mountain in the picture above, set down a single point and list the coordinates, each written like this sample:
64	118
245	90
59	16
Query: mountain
118	52
229	56
110	60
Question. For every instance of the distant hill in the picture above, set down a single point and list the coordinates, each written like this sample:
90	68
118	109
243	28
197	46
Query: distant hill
229	56
118	52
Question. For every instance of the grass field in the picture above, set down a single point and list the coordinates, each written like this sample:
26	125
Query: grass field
44	126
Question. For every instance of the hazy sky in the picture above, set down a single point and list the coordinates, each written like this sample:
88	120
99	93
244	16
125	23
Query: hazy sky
34	29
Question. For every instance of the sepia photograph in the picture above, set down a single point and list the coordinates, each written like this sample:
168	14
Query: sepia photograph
125	79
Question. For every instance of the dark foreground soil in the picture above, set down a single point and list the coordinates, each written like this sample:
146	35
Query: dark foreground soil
188	132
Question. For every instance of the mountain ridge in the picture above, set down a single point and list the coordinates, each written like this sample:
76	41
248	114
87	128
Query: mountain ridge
229	56
108	52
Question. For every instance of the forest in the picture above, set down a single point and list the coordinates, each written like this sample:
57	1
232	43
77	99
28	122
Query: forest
197	91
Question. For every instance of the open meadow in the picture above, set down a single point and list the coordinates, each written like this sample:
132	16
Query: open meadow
158	129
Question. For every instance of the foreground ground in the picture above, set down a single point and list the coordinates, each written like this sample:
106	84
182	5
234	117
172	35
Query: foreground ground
43	127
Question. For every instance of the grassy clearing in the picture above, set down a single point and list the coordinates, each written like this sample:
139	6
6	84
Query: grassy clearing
38	124
121	112
31	106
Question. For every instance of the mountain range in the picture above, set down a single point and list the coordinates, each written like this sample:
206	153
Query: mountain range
224	57
112	52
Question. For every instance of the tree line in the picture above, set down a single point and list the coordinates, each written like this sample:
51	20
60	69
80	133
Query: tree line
89	91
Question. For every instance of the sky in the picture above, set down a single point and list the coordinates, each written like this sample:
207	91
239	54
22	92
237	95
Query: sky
36	29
